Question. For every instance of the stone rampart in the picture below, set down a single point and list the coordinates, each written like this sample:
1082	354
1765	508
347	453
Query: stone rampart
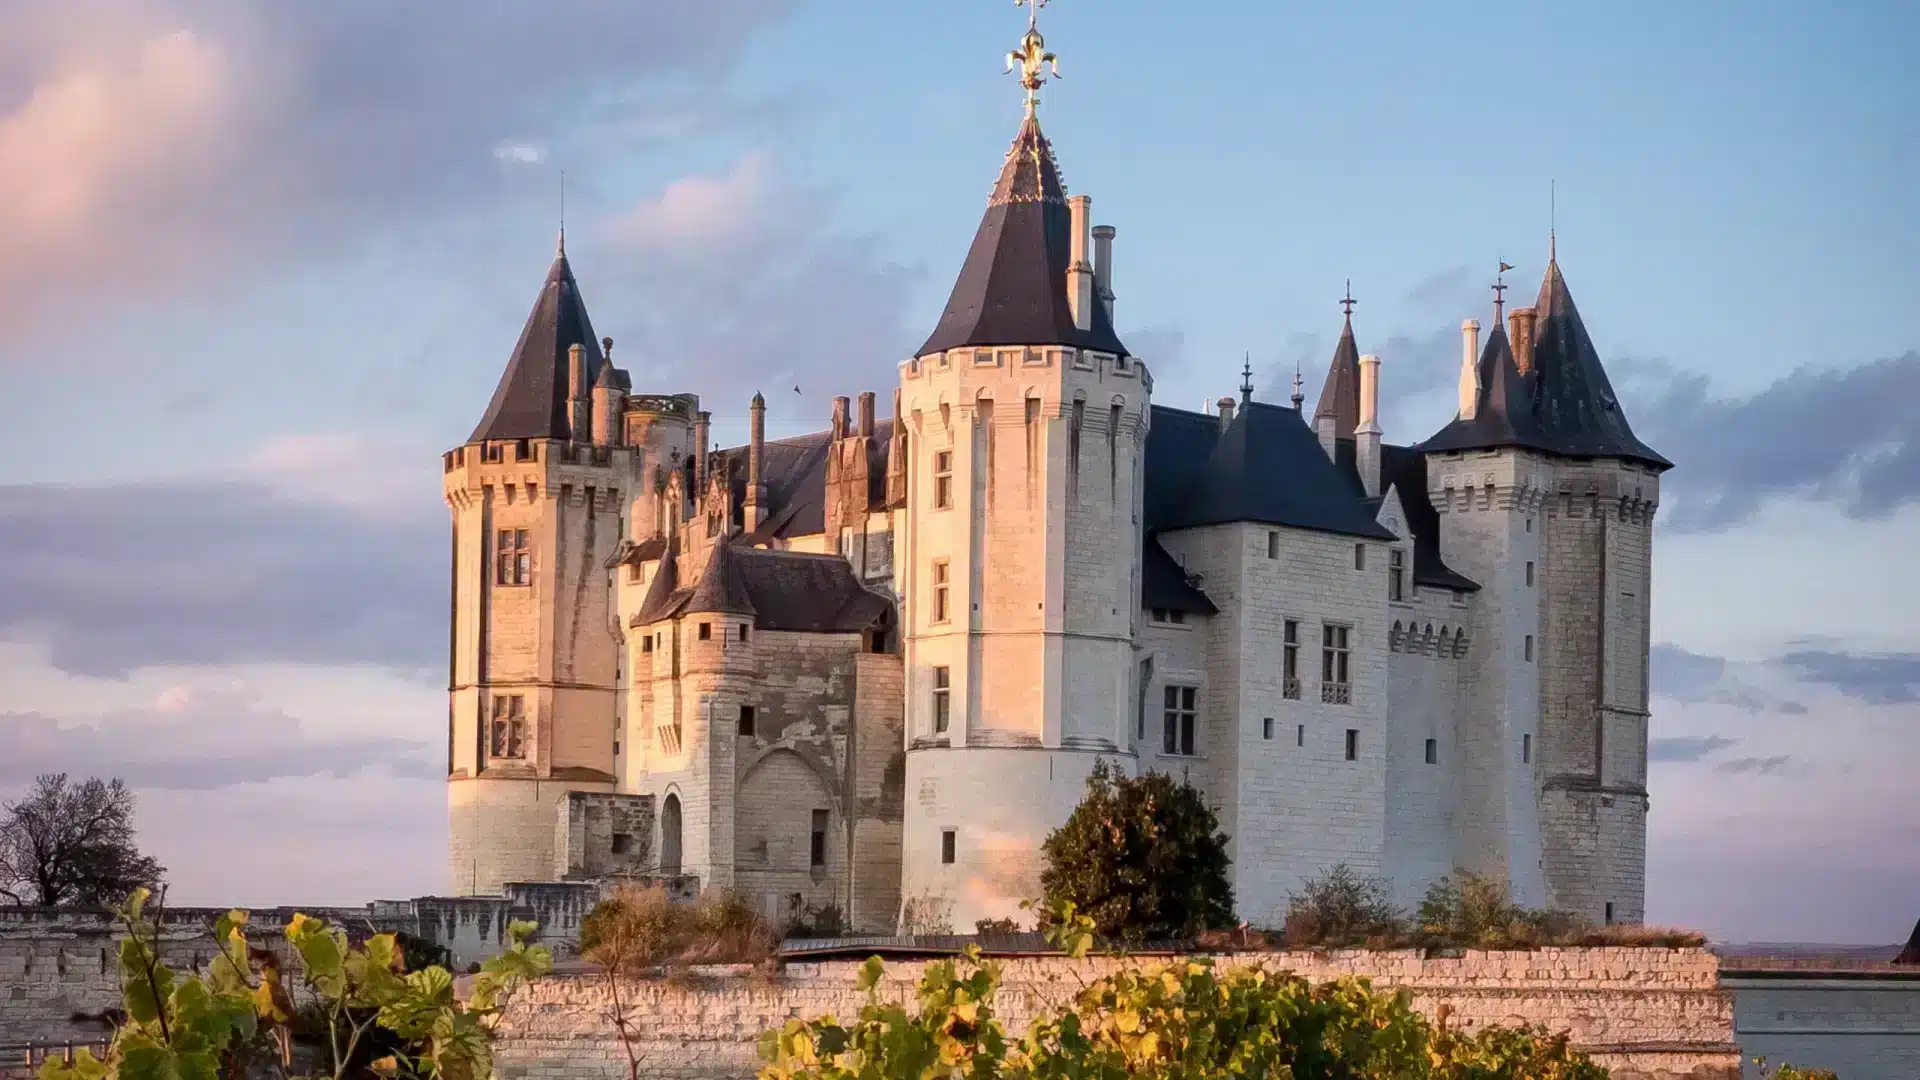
1647	1014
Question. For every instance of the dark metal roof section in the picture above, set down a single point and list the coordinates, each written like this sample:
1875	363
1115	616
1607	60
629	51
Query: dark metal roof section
721	589
1267	466
665	595
781	590
1164	583
1340	397
531	400
1404	469
1012	289
1563	404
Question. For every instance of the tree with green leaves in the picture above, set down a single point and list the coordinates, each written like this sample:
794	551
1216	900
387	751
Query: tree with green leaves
240	1018
72	843
1143	857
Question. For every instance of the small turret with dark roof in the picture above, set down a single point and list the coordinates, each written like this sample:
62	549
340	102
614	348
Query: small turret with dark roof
531	401
1555	398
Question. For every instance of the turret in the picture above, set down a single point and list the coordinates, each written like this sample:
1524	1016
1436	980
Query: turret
609	402
1337	412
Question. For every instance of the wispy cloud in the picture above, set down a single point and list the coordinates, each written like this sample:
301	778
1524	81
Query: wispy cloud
1756	766
1686	747
1875	678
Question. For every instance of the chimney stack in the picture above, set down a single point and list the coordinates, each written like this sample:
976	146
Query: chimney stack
701	420
579	406
1469	368
1366	434
1079	268
841	405
1103	267
756	449
1520	335
865	430
1226	413
897	457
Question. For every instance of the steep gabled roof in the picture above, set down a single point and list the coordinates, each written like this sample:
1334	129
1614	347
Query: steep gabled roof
1267	466
1340	396
1562	404
531	400
1012	290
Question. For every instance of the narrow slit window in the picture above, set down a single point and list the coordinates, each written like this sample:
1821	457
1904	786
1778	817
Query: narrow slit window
1528	647
1300	735
942	479
1273	543
817	853
1266	728
1433	751
942	699
1353	744
941	573
1359	556
946	847
747	717
1526	748
1290	660
1397	575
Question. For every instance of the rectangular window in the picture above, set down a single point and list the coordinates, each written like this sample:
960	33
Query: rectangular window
1290	660
940	575
1526	748
509	736
706	631
622	843
1266	728
817	855
1528	648
942	479
513	558
1529	575
1168	615
1336	687
1359	556
946	847
1353	744
1300	735
1273	543
942	696
1179	713
1609	913
646	644
1397	574
1433	751
747	718
743	631
633	572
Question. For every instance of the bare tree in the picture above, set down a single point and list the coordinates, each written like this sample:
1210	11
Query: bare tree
72	843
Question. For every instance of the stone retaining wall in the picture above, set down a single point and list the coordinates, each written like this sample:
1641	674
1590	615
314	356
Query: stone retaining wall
1647	1014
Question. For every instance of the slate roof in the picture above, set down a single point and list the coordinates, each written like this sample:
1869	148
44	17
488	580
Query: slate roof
1562	404
1012	289
1340	395
531	400
1163	583
794	471
1404	469
781	590
1267	466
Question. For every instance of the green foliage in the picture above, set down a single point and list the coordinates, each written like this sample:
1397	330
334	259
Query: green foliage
1789	1072
1143	857
1341	907
996	927
244	1010
1186	1020
72	843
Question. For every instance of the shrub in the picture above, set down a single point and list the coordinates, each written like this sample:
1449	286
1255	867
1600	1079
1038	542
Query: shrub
820	922
926	914
996	927
1340	907
637	930
1143	857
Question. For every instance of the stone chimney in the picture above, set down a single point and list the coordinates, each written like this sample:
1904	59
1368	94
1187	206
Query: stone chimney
1520	335
579	396
897	457
1103	267
755	510
841	406
865	430
1079	267
1366	434
1226	412
1469	368
701	421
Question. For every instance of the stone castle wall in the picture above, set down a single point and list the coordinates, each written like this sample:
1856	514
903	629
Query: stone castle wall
1647	1014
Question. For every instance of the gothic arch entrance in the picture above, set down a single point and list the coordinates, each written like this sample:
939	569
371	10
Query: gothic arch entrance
670	835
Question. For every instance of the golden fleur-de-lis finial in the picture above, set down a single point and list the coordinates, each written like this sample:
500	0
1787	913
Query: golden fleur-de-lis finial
1032	57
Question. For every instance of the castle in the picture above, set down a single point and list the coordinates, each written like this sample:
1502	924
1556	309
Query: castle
874	665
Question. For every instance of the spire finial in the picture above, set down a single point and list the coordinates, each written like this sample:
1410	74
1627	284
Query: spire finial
1346	305
562	246
1298	396
1500	292
1246	380
1032	55
1553	221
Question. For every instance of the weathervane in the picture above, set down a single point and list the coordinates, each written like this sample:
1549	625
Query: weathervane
1032	56
1500	291
1246	381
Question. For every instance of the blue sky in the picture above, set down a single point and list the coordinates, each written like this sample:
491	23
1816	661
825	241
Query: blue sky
264	261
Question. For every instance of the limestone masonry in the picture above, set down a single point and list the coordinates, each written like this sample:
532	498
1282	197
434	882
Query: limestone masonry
868	669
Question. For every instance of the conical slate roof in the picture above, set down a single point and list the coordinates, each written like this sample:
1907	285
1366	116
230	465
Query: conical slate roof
531	400
1012	290
1563	404
1340	397
721	589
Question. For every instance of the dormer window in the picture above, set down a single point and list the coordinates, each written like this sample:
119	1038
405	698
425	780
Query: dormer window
1168	616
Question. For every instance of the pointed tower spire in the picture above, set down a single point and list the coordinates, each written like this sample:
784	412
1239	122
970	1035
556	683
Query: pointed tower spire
1299	398
1338	409
560	248
532	399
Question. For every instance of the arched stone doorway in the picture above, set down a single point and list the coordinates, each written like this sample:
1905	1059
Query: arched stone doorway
670	835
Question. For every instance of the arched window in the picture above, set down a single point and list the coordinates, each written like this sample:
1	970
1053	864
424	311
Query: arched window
670	835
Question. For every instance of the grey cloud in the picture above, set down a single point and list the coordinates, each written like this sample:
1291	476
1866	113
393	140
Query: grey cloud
1686	747
1678	674
1875	678
1848	436
115	578
1756	766
194	745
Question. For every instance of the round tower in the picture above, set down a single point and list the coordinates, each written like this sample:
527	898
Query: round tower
1019	552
